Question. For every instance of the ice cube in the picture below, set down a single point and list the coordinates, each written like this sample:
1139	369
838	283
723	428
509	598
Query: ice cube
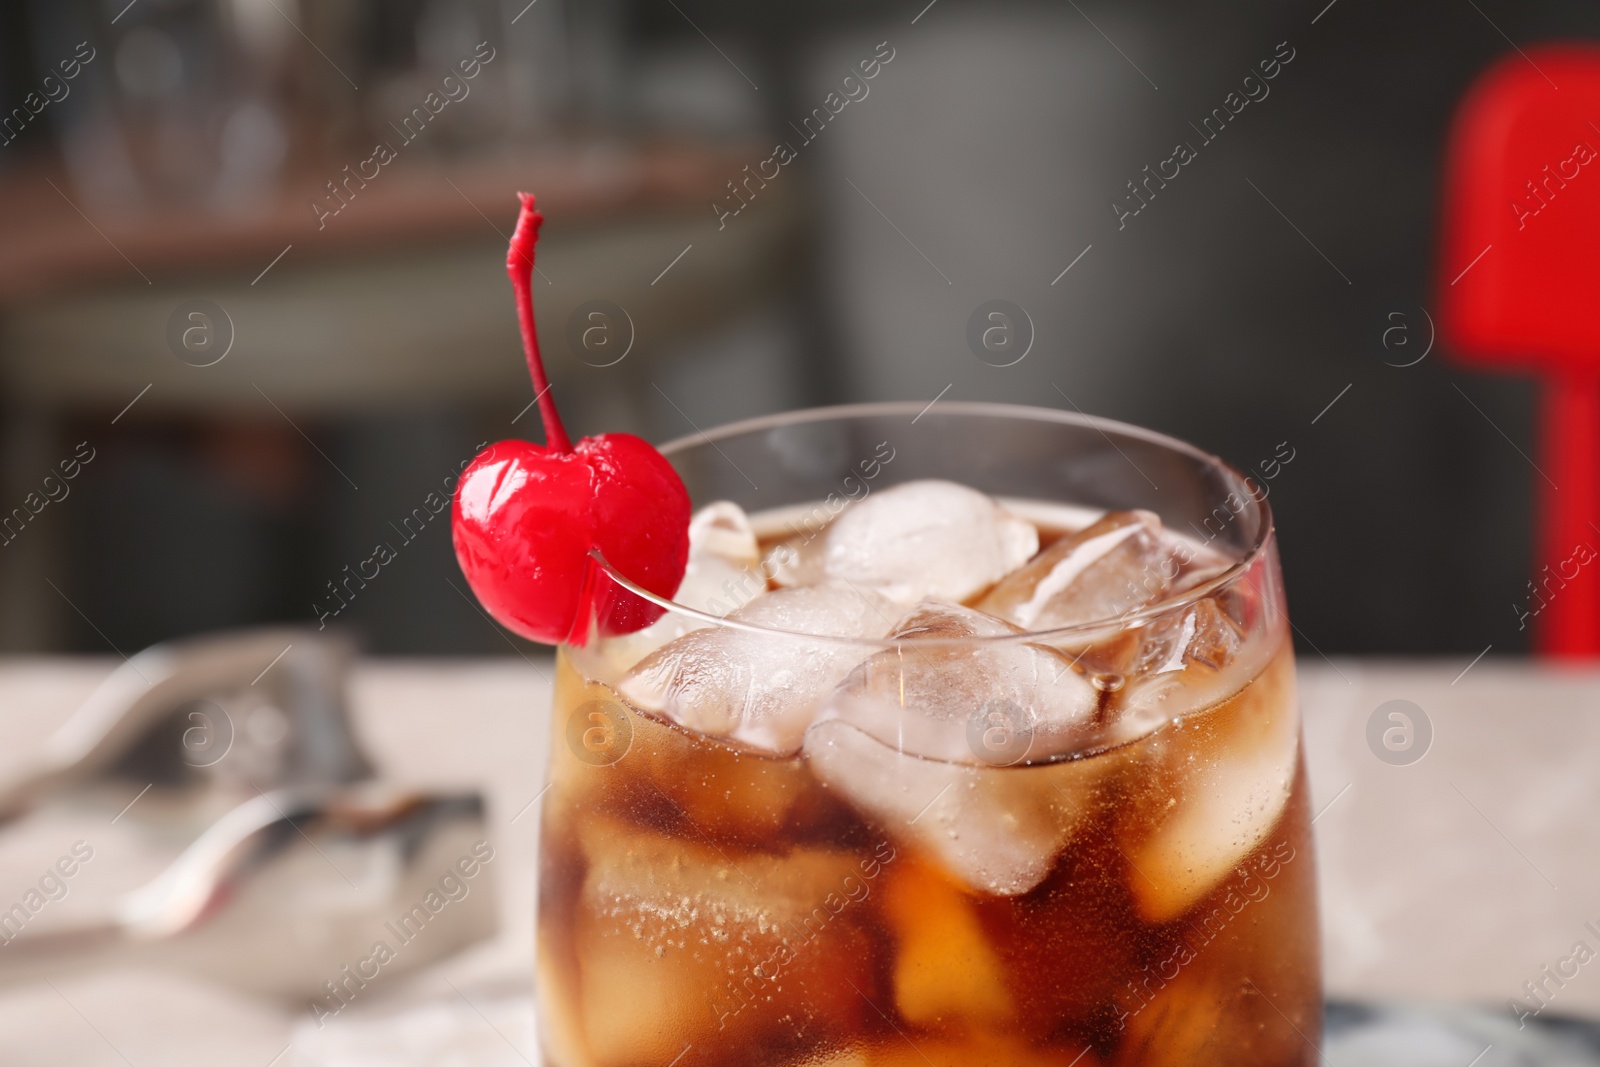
965	700
722	575
681	944
797	560
1119	564
1217	784
659	775
917	736
1239	983
946	973
761	689
1183	662
721	530
993	830
670	778
926	539
1202	637
1069	948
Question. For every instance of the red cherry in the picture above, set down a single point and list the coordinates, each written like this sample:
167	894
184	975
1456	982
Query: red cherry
527	516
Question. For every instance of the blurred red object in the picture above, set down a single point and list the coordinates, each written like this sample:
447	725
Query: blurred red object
1519	283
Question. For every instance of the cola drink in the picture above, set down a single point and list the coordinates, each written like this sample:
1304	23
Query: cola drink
940	779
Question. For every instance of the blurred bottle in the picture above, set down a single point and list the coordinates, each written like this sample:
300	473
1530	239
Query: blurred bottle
209	103
180	104
525	94
409	48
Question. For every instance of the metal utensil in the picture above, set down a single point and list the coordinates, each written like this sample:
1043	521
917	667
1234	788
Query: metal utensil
233	712
290	895
289	867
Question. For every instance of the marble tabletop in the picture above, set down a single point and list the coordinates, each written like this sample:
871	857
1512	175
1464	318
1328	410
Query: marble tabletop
1455	843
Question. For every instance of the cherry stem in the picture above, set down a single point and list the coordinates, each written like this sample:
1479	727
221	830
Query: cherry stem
519	265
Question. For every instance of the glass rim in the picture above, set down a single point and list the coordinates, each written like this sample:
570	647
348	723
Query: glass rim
1093	628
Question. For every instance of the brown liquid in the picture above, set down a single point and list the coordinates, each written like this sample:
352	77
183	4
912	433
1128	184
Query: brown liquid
701	905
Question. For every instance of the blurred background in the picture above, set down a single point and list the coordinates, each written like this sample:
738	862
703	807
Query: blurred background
252	289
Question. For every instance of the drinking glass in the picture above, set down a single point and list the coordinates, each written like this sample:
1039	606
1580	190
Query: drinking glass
768	840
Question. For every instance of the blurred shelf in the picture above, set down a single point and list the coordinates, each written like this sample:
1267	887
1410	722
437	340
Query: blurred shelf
401	301
55	240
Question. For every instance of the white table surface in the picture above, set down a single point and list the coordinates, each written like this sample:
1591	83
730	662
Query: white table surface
1456	877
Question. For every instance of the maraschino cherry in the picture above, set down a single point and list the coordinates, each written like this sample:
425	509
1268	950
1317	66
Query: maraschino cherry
526	517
